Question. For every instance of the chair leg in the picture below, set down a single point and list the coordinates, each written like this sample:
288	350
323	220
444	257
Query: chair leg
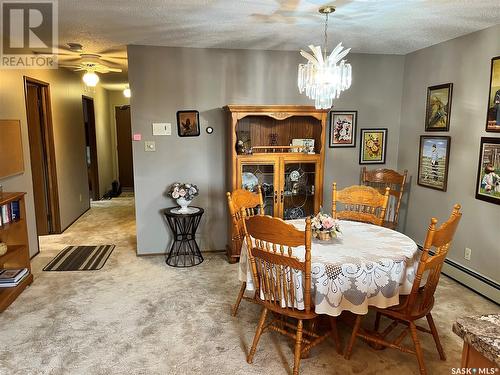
335	334
418	349
238	300
260	326
312	328
377	321
298	345
355	330
435	335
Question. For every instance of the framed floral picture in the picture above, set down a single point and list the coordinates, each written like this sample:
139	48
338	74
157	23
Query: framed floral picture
493	117
433	161
188	123
438	109
373	146
488	174
343	128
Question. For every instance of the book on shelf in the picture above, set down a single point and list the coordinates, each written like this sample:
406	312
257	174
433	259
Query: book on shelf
10	212
10	278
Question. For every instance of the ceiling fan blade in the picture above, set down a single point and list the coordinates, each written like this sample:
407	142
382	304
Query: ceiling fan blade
115	70
111	58
69	59
74	67
114	50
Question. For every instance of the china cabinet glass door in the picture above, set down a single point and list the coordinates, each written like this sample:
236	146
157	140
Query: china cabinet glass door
264	174
298	199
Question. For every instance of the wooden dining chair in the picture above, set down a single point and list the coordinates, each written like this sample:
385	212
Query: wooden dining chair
253	204
359	203
281	279
382	178
420	301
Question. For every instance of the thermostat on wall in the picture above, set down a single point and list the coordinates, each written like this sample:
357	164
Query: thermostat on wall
162	128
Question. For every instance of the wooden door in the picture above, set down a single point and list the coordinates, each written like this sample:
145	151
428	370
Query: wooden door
42	155
124	147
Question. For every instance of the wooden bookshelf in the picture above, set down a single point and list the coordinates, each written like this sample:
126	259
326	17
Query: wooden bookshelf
15	235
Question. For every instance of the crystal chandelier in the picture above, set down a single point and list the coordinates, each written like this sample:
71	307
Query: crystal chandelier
324	78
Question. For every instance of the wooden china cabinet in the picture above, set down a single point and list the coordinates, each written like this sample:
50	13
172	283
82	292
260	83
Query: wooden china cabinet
290	177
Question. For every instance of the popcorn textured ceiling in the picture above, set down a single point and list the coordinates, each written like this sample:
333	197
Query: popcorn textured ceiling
368	26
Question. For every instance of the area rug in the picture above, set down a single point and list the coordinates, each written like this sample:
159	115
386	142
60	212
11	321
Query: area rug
80	258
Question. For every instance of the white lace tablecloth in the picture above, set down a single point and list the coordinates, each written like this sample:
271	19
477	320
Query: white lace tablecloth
367	266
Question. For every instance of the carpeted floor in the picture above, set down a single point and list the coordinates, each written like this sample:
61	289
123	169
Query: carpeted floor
139	316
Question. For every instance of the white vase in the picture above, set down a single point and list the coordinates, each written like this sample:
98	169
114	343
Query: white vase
184	203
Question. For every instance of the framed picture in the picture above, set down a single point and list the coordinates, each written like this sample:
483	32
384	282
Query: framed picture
438	108
373	145
493	118
305	145
343	128
488	174
433	161
188	123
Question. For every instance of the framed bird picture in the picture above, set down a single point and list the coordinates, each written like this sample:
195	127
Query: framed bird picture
437	114
188	123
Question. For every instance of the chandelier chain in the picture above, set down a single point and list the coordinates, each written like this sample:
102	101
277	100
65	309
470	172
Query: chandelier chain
326	34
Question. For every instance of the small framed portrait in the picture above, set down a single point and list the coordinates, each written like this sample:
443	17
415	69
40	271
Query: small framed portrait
438	108
433	161
343	128
188	123
493	118
488	174
373	146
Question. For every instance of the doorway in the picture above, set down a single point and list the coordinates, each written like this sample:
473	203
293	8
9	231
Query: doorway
42	155
124	147
91	147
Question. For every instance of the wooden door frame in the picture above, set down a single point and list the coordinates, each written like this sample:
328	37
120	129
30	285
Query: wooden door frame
51	155
93	151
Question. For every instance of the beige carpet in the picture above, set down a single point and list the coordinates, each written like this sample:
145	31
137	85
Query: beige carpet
139	316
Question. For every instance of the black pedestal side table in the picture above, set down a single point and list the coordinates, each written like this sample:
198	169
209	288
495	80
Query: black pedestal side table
184	251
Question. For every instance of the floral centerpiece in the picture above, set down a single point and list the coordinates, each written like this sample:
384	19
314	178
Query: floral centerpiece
183	193
324	227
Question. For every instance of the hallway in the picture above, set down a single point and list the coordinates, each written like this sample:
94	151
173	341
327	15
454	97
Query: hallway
138	316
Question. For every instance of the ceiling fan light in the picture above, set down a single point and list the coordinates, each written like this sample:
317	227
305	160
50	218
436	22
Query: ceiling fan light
127	93
91	79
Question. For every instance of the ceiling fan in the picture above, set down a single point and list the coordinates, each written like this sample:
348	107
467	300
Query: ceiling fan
73	57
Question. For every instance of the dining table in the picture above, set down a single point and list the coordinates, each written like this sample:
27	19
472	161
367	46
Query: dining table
365	265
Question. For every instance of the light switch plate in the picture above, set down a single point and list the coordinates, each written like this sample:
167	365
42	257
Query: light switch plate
162	128
149	146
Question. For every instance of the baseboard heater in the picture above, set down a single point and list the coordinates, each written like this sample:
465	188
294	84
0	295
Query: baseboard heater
472	280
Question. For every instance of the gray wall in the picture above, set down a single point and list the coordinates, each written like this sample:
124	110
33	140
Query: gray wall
164	80
69	139
465	62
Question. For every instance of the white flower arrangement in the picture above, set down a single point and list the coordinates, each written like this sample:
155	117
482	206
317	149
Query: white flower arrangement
183	190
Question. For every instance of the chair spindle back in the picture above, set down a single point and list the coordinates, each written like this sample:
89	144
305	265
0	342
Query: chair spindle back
360	203
252	203
440	239
270	243
382	178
